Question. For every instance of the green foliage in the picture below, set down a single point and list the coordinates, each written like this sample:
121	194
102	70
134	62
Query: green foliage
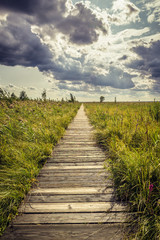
102	98
4	94
28	132
130	133
155	111
13	96
72	98
23	96
44	95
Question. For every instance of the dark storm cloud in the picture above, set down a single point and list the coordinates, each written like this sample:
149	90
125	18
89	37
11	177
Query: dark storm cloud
124	57
82	27
150	59
40	11
116	78
19	46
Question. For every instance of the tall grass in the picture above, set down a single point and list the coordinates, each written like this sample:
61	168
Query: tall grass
130	133
28	132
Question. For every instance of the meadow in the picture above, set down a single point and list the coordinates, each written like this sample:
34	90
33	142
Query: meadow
28	132
130	135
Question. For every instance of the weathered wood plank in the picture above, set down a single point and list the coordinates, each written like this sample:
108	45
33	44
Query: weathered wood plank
62	164
73	174
72	207
81	143
115	217
70	171
79	154
68	177
66	231
40	198
77	148
81	159
79	190
62	184
86	158
74	167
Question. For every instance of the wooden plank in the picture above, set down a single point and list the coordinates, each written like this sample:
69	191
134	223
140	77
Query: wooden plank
72	184
78	138
79	154
72	174
62	164
77	157
72	207
52	198
62	218
68	159
76	171
69	177
79	190
77	148
66	232
74	167
71	143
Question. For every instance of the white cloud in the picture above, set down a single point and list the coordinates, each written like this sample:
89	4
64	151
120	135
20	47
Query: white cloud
124	12
154	12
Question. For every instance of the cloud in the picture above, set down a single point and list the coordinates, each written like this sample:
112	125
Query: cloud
69	42
124	12
19	46
149	60
78	22
153	9
82	25
116	78
38	11
32	88
124	57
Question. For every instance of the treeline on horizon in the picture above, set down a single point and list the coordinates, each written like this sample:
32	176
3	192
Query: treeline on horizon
23	96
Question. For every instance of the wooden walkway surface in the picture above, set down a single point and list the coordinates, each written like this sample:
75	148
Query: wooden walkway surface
74	197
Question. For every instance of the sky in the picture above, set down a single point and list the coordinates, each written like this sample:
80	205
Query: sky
94	48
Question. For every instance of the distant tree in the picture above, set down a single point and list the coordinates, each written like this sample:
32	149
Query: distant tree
102	98
44	95
13	96
4	94
1	93
23	96
72	98
115	100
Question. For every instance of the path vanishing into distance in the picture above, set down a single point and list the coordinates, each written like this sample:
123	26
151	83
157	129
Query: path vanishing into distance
74	196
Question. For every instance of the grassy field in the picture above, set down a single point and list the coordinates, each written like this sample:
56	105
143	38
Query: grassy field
130	133
28	132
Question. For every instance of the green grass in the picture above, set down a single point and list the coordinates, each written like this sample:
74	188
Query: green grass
130	133
28	132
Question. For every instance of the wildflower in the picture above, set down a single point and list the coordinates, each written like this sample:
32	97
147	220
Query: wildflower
150	188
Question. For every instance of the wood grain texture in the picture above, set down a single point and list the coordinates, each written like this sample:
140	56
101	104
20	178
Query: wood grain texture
69	218
66	231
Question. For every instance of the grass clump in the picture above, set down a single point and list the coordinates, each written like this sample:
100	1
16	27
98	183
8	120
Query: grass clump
130	133
28	132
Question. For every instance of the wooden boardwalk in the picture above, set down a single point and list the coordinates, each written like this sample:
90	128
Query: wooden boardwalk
74	197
